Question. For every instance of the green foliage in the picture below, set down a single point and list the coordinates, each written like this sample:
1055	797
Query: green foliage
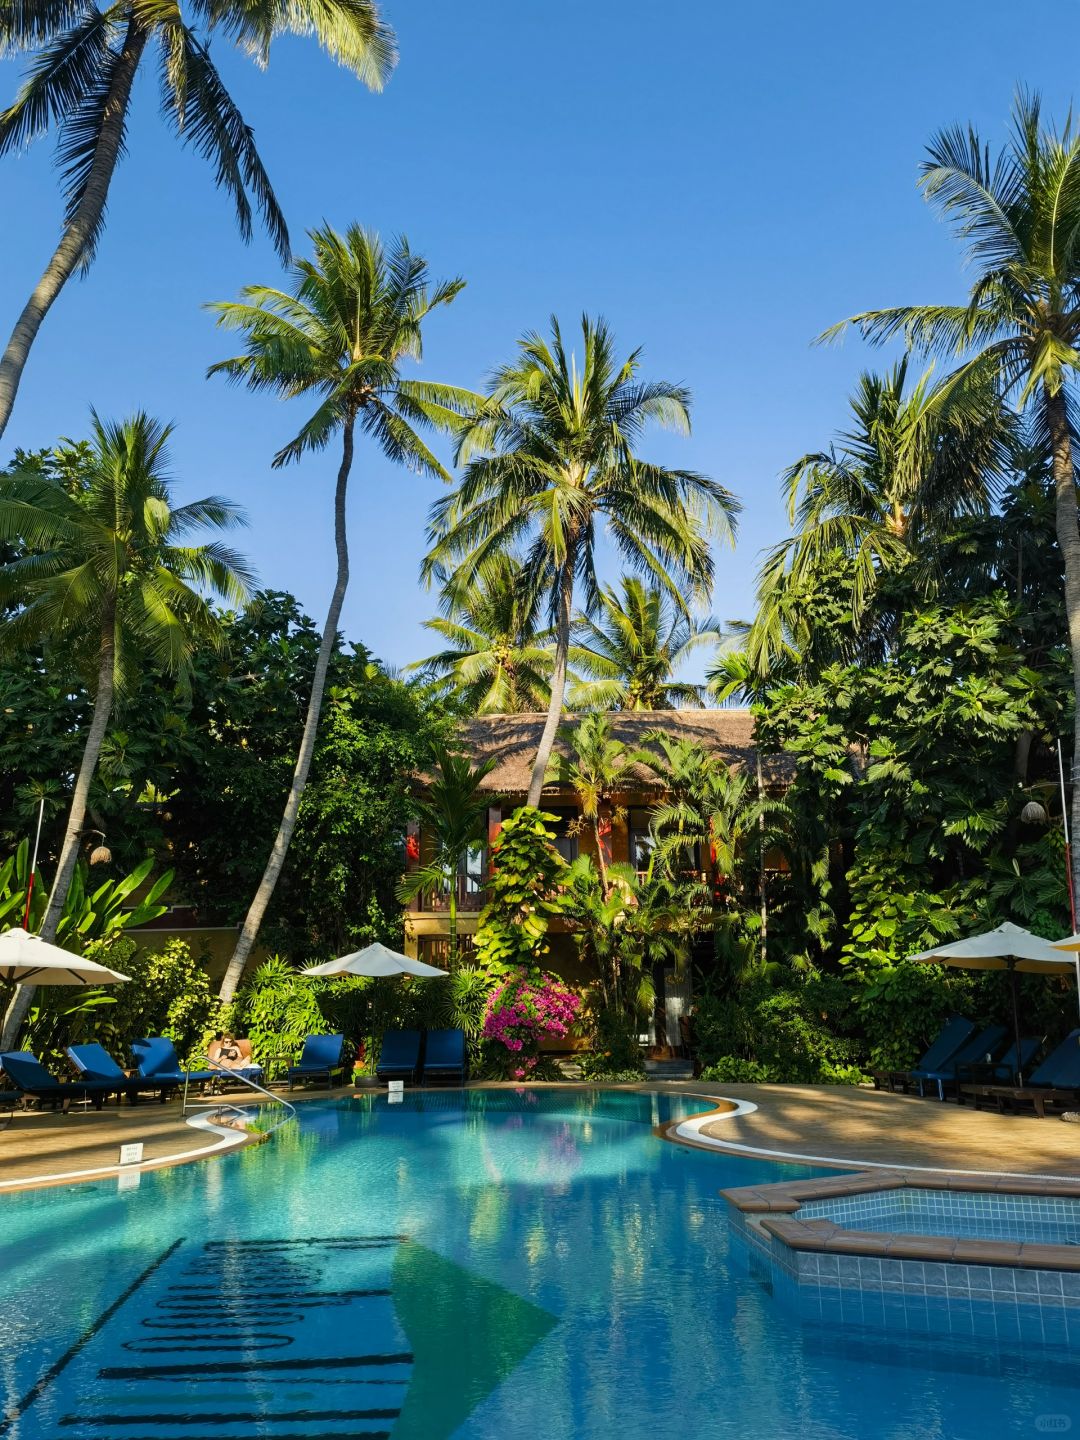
523	895
88	914
168	994
277	1008
631	655
795	1031
242	731
731	1070
615	1054
60	1017
497	660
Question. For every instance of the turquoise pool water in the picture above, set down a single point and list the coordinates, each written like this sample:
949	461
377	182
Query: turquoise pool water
489	1266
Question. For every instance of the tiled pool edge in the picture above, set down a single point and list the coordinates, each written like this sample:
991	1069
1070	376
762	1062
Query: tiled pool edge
922	1282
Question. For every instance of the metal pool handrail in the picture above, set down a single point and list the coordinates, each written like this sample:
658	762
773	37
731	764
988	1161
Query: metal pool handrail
287	1106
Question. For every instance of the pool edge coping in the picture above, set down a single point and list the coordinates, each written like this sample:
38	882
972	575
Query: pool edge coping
774	1209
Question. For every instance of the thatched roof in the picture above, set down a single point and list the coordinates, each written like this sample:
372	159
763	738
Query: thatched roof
512	741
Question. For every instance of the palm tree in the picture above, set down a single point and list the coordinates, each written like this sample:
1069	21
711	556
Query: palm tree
354	313
496	661
1019	218
548	460
104	568
596	768
453	821
634	649
80	84
878	501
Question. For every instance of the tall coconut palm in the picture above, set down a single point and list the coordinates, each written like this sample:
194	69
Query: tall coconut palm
453	821
1019	218
550	459
353	314
634	648
105	567
878	501
497	660
80	85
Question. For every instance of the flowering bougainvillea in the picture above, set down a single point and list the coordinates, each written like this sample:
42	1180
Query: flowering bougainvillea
525	1009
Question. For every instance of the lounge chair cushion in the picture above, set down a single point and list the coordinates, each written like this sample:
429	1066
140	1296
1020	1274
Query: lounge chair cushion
321	1055
985	1042
157	1060
399	1053
445	1052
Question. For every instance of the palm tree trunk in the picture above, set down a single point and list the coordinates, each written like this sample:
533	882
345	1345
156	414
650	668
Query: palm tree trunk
79	232
558	683
69	853
601	859
274	866
1068	538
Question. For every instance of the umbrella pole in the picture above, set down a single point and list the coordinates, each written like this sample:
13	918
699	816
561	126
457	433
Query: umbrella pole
1016	1019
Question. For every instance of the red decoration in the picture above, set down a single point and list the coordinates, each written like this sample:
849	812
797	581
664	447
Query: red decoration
412	847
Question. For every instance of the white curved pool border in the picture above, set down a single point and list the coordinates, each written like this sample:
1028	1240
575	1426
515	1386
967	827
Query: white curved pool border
229	1138
691	1131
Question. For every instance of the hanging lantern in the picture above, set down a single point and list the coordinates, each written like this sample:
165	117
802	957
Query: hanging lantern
100	855
1034	813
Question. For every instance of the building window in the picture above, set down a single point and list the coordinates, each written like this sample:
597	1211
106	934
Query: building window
639	836
435	950
565	826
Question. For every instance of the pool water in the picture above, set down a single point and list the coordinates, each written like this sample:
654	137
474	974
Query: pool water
485	1265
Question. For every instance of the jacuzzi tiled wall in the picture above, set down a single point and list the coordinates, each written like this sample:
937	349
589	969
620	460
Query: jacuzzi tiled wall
921	1296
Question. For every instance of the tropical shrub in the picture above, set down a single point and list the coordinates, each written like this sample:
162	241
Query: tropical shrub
168	994
526	871
616	1053
527	1007
731	1070
793	1031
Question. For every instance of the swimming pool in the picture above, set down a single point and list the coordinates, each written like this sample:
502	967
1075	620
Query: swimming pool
492	1265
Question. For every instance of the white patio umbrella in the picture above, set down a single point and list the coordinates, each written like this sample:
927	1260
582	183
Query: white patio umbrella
1072	945
1008	947
377	962
28	960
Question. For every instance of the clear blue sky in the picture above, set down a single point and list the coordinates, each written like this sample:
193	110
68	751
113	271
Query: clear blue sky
720	181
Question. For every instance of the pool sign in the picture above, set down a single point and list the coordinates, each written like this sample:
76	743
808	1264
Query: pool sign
131	1154
396	1087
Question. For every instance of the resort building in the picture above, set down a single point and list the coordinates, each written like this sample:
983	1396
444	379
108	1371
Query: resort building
512	740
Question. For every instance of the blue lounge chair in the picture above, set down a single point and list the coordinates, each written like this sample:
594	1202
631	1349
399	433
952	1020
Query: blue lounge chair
320	1059
954	1033
157	1060
444	1056
399	1055
29	1076
96	1066
1055	1081
982	1046
1003	1071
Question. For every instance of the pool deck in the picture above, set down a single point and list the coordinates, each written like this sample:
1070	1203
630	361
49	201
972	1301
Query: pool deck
839	1125
820	1125
46	1148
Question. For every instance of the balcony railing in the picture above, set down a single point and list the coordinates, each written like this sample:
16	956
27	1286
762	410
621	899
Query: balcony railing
436	901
